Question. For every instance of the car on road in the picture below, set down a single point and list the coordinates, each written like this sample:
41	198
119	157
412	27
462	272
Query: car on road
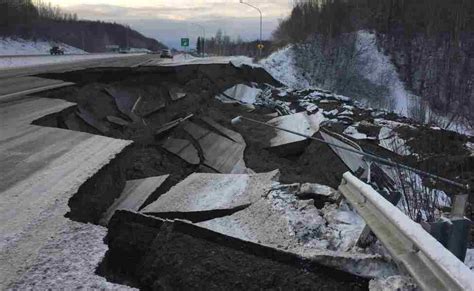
55	50
166	54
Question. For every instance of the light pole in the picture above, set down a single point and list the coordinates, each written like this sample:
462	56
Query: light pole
204	39
260	45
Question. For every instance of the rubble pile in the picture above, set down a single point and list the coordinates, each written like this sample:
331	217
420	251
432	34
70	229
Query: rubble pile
207	204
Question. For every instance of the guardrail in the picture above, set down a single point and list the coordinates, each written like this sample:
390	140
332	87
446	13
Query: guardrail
431	265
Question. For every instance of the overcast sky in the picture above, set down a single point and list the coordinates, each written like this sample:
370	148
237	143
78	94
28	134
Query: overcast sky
170	20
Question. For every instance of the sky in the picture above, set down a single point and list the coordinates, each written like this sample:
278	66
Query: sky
169	20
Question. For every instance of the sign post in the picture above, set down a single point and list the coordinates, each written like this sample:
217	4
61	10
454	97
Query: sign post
185	45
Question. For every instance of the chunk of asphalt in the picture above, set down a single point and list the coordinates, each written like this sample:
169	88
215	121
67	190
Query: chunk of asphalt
220	153
182	148
134	195
204	196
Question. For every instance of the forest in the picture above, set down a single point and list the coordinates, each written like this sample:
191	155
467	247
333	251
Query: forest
430	42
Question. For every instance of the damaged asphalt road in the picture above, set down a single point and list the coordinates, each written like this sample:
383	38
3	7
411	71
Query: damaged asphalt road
198	203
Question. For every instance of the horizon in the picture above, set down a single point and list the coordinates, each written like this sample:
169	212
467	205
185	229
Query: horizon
167	22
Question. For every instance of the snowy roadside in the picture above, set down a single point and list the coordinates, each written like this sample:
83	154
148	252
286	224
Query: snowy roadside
18	46
18	62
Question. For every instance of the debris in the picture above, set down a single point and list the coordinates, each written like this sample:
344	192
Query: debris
299	122
90	119
200	193
220	153
390	140
182	148
117	120
354	133
134	195
319	193
240	93
125	102
176	93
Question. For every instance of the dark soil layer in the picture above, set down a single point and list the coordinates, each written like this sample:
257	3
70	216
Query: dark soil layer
156	255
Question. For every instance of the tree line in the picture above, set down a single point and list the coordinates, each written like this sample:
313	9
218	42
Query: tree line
407	17
223	45
37	19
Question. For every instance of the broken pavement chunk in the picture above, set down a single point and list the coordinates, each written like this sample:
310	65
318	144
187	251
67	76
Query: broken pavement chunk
184	149
235	136
240	93
302	123
134	195
220	153
201	193
176	93
153	252
117	120
125	102
90	119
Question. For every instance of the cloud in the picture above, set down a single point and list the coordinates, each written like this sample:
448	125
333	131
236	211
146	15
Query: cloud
167	21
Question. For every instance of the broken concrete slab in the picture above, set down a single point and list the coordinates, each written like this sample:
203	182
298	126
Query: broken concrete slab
220	153
302	123
176	93
224	131
147	105
125	102
182	148
117	120
240	93
352	160
90	119
134	195
281	221
202	196
152	252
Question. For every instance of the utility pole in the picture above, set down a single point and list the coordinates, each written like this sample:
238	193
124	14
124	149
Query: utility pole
260	45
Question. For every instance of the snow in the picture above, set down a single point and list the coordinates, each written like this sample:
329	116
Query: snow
69	260
18	46
354	133
469	261
470	147
390	140
397	282
16	62
281	66
378	69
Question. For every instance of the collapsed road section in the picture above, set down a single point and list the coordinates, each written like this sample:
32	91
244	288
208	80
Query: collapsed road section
184	198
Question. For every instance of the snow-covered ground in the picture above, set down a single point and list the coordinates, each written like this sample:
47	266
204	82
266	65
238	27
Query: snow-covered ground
27	61
281	66
18	46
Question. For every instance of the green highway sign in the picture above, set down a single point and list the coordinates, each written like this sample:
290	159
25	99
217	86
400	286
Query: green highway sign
185	42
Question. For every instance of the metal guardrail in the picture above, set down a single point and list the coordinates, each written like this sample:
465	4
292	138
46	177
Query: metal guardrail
431	265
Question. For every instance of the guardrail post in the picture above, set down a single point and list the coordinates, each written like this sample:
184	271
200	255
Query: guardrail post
367	237
453	234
